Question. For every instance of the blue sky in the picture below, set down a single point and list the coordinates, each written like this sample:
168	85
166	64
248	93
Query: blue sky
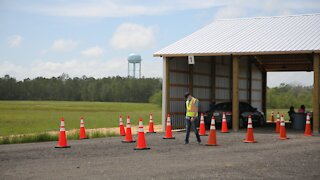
94	38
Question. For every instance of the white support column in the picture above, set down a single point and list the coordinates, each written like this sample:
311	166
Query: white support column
164	93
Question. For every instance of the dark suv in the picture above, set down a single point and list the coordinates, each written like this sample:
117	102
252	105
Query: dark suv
245	109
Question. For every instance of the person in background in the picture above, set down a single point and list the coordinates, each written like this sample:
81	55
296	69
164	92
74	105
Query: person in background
291	113
302	109
192	108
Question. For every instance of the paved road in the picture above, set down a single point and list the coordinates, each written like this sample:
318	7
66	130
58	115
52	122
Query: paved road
108	158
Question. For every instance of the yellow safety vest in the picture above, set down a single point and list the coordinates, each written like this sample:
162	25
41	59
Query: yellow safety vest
192	110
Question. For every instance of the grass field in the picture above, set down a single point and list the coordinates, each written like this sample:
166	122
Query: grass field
24	117
37	118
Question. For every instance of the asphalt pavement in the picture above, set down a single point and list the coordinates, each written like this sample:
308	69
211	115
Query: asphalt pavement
108	158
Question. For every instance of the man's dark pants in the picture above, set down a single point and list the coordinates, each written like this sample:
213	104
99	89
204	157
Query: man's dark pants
192	125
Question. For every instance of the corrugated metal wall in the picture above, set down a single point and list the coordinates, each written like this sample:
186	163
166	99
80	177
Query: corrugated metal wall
210	79
178	85
256	87
244	79
222	78
202	81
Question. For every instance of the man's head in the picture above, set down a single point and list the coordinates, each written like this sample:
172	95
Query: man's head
187	95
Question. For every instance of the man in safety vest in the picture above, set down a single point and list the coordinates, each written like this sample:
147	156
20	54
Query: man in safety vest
192	106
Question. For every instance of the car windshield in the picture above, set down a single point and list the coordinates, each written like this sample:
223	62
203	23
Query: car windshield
223	107
245	107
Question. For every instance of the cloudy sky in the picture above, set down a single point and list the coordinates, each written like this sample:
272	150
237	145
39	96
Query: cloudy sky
93	38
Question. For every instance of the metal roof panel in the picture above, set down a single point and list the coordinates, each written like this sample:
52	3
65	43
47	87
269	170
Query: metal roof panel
251	35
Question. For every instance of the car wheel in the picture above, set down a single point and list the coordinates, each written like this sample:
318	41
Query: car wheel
241	123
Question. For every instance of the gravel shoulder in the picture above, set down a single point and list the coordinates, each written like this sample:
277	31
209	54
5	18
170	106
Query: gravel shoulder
108	158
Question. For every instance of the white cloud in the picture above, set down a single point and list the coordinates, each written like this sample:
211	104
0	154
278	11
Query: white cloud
64	45
243	8
127	8
77	68
93	52
133	37
15	41
116	8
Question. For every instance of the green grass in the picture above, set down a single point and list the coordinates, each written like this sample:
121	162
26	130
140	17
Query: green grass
281	111
39	117
43	137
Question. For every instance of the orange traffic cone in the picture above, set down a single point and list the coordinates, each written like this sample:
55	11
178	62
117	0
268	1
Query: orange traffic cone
62	143
212	140
151	129
168	129
122	131
278	123
141	142
82	130
272	117
307	131
283	133
224	128
250	137
202	131
128	138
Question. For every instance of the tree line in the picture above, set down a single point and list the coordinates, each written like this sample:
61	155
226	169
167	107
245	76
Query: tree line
125	89
287	95
64	88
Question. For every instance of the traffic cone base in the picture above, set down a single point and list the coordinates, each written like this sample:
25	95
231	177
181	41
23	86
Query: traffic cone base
211	145
62	147
124	141
308	134
146	148
246	141
283	138
151	132
168	138
225	132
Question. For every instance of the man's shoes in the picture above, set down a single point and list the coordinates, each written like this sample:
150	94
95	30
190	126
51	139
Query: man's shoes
186	142
199	142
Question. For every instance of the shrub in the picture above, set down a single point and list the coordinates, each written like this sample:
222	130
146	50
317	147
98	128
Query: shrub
156	98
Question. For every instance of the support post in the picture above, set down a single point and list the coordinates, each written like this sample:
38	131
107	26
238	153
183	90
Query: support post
250	80
235	93
165	91
213	79
316	91
191	78
264	92
140	70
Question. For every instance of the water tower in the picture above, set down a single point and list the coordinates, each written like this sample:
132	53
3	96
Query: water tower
134	59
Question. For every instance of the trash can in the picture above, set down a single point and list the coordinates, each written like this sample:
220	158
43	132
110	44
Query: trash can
299	121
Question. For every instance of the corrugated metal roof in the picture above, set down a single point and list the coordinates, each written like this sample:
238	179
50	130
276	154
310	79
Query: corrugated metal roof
262	35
